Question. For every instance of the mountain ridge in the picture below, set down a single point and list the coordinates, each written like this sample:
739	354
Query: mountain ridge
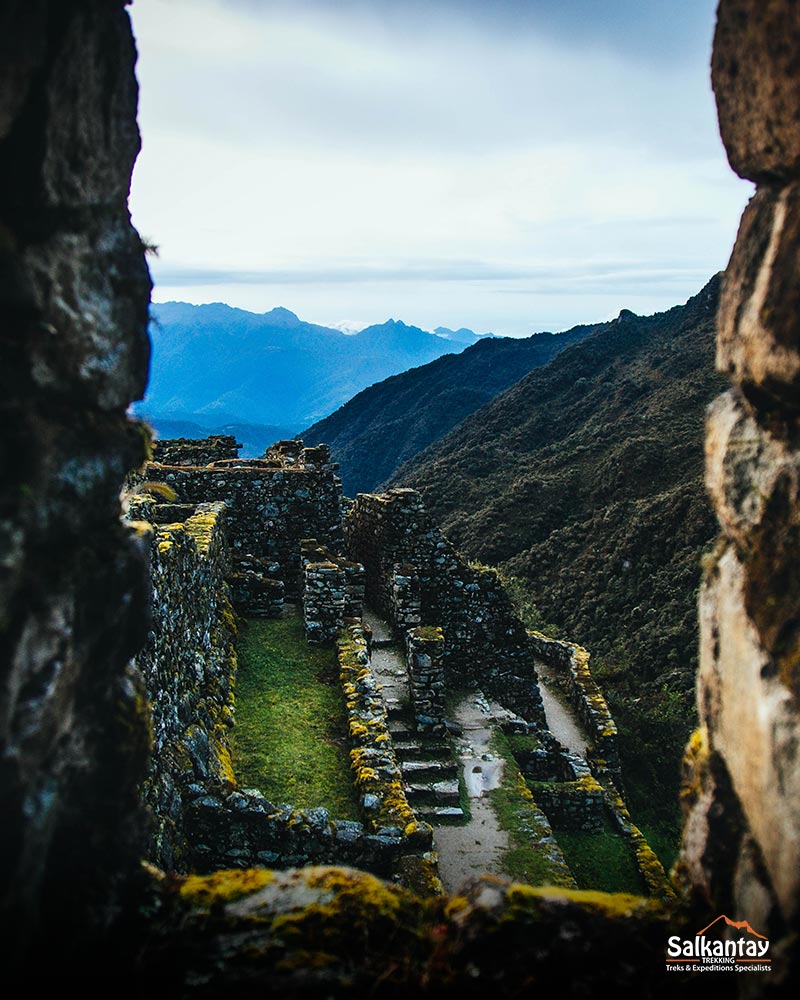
222	363
387	423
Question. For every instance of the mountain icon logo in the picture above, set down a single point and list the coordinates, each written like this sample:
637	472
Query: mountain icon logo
739	925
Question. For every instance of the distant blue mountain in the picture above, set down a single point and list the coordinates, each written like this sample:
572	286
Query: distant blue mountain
461	336
214	364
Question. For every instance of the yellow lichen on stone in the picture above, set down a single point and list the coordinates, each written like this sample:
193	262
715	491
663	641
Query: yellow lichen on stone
656	879
607	904
349	903
202	526
694	767
207	891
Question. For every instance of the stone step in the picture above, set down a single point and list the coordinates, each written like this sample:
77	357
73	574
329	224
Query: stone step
401	729
440	815
440	793
428	771
407	749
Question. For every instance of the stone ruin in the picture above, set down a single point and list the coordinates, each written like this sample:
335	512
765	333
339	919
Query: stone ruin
208	526
75	604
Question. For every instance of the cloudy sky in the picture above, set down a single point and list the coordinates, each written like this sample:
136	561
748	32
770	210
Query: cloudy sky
507	165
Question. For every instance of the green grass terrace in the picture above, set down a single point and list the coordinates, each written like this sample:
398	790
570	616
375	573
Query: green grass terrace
290	737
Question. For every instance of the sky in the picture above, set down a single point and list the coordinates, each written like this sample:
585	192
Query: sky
505	165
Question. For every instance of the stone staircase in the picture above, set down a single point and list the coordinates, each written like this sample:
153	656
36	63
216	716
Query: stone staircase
430	771
429	768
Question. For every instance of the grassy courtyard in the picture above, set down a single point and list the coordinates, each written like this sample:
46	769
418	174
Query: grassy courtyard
289	740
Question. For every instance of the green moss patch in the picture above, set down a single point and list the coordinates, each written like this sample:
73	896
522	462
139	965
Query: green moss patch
532	856
522	743
290	738
600	860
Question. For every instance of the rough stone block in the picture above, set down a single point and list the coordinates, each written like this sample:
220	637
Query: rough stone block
758	342
756	78
753	719
754	480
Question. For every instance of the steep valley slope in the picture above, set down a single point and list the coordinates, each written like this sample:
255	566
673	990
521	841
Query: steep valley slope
382	427
584	484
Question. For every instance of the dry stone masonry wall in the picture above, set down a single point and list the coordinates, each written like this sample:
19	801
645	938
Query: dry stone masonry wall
191	451
405	604
244	829
572	665
273	504
333	591
401	549
425	665
188	665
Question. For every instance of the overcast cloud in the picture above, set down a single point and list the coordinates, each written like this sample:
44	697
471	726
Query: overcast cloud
508	166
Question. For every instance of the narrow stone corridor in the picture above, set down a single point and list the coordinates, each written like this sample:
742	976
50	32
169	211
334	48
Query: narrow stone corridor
561	720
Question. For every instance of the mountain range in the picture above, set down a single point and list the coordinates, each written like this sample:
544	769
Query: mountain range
387	424
214	365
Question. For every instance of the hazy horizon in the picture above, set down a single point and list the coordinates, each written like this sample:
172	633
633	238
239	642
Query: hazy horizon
518	168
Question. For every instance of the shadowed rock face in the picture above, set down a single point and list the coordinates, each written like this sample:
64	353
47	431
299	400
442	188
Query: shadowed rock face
749	679
73	300
755	76
74	290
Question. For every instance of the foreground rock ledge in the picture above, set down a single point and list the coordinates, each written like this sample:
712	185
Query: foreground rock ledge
324	931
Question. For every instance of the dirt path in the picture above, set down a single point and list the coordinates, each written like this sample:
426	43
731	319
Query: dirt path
479	846
560	715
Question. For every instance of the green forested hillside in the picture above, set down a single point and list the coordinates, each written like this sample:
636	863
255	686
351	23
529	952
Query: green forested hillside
390	422
584	483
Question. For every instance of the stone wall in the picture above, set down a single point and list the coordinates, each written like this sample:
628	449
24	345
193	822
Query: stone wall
741	848
395	539
188	664
405	603
562	784
425	665
195	451
256	586
323	600
74	290
572	805
377	773
333	590
273	504
243	829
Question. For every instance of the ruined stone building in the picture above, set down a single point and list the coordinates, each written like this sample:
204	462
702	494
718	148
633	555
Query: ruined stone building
96	725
